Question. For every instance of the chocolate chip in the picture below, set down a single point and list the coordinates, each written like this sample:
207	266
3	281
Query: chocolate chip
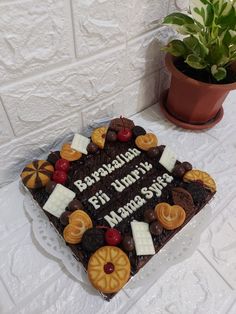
138	130
93	239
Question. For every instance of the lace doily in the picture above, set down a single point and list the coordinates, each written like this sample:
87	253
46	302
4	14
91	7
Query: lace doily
181	246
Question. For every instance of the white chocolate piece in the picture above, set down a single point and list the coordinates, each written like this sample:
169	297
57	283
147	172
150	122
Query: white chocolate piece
58	200
168	159
80	143
142	238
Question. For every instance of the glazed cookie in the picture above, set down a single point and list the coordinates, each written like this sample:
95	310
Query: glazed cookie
79	222
147	141
99	136
37	174
200	176
69	153
170	217
109	269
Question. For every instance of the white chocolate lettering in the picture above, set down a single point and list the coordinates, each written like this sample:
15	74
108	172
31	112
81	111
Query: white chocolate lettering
118	186
94	201
113	219
80	185
148	194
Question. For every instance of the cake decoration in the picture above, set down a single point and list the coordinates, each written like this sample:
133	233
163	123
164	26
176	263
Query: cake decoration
138	130
144	142
142	238
168	159
109	269
200	176
124	135
58	200
183	198
79	222
116	185
118	124
37	174
62	164
99	136
93	239
74	205
128	243
156	228
80	143
113	236
170	217
59	176
69	153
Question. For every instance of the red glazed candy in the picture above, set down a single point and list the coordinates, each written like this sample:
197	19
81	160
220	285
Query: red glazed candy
124	135
59	176
109	268
63	165
113	236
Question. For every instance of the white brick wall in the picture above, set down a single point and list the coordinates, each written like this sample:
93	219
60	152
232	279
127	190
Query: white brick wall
63	63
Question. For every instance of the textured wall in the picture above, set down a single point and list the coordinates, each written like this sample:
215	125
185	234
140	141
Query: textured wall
64	63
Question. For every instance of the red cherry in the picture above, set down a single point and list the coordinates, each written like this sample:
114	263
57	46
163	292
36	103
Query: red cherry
59	176
113	236
109	268
124	135
62	164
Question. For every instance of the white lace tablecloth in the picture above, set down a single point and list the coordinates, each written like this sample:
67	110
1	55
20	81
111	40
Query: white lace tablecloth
195	273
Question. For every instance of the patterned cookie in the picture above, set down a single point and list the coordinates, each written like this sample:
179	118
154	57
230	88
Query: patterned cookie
201	176
109	269
69	153
79	222
99	136
170	217
147	141
37	174
183	198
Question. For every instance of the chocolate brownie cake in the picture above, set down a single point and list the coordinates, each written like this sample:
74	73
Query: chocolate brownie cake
116	199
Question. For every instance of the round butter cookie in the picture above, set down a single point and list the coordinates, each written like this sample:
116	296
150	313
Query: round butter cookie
201	176
37	174
108	269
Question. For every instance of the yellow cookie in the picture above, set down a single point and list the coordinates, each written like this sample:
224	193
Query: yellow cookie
170	217
147	141
109	269
204	177
99	136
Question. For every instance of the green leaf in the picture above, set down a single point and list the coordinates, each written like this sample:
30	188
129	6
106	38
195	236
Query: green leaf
178	18
219	73
233	36
202	11
189	29
176	48
194	45
196	62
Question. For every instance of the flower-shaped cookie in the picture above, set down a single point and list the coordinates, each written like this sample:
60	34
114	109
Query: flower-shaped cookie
79	222
109	269
147	141
170	217
201	176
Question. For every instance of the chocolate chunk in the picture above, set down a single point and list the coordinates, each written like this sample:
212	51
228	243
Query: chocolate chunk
53	157
161	148
155	228
50	186
75	204
121	123
92	148
93	239
179	171
153	152
138	130
183	198
128	243
111	136
187	166
149	215
64	218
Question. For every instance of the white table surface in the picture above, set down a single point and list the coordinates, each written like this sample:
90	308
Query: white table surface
31	281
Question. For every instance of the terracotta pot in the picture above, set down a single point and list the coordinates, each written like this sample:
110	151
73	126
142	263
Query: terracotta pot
194	102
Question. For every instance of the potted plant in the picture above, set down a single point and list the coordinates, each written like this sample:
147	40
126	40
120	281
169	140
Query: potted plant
201	62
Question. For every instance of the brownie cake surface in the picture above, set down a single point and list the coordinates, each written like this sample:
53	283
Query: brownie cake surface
117	186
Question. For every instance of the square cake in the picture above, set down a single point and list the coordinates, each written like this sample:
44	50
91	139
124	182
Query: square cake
116	198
